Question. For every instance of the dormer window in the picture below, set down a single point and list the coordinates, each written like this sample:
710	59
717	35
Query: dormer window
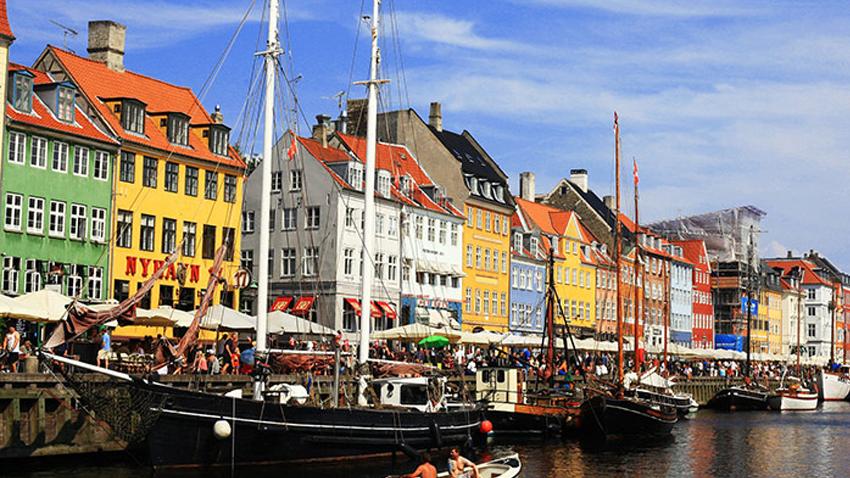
499	193
219	139
20	94
133	116
518	242
384	183
406	185
178	129
355	175
485	190
533	245
473	186
65	103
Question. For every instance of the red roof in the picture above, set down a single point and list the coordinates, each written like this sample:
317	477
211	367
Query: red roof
5	28
694	250
42	117
810	277
548	219
97	83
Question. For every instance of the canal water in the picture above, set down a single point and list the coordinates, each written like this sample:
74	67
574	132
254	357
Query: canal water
743	444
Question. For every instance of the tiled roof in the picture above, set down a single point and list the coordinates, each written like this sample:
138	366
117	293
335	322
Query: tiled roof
5	28
42	117
694	250
97	82
810	277
321	153
548	219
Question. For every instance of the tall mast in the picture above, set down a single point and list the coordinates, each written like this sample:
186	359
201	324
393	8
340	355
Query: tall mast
617	251
369	200
637	303
272	50
749	301
550	317
799	311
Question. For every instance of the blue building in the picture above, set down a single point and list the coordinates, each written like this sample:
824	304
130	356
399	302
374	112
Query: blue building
681	296
528	278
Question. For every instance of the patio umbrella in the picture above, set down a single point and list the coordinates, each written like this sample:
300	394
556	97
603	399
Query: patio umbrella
225	318
434	341
46	303
283	323
412	332
11	309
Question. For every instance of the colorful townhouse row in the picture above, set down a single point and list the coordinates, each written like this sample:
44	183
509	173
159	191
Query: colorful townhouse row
105	172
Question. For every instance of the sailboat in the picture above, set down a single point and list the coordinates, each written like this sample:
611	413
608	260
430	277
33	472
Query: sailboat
184	427
794	396
607	412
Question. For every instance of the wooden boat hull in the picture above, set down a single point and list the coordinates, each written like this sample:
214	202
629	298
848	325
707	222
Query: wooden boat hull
789	400
738	398
603	418
506	467
833	386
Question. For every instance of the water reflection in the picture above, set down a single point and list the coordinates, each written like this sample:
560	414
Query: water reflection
753	444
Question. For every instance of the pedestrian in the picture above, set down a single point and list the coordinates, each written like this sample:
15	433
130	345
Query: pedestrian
105	348
12	346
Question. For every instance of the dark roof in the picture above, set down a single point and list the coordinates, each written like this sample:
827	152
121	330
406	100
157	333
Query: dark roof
598	205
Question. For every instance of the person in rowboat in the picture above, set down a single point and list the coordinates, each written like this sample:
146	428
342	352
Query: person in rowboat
425	470
457	464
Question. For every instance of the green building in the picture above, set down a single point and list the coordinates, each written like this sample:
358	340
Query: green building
56	190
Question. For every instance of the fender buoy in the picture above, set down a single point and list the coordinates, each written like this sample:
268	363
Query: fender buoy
221	429
486	426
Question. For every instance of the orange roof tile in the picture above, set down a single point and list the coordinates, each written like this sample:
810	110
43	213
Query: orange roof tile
5	28
97	82
810	277
548	219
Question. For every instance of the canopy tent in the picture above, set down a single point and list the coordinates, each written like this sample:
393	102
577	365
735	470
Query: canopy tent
45	303
283	323
12	309
220	317
415	332
481	338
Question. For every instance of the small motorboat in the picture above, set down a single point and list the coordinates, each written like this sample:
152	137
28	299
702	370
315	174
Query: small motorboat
834	386
505	467
739	398
794	397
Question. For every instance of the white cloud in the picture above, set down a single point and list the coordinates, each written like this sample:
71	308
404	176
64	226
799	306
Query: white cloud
445	30
667	8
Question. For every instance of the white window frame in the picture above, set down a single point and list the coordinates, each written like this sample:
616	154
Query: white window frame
98	224
38	152
60	157
95	282
295	180
310	262
13	212
17	147
288	261
79	221
58	213
101	165
81	161
289	220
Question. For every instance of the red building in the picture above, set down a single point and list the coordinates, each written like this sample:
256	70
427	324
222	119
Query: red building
703	325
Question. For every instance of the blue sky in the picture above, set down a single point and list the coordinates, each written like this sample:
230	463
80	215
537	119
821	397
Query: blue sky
723	103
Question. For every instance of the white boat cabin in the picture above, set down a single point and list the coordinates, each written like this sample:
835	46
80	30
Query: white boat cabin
417	393
500	385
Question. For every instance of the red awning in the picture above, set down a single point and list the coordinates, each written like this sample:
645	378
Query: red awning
387	308
355	305
281	303
303	305
375	311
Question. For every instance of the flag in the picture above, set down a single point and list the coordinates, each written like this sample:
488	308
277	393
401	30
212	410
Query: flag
292	147
635	171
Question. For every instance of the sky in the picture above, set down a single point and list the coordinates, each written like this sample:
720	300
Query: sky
721	103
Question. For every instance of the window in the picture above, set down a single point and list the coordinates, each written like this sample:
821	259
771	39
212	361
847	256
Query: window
392	228
383	186
218	140
228	239
57	219
98	224
504	262
78	221
22	92
454	237
169	235
210	185
478	218
812	294
246	259
146	233
178	129
287	262
811	330
348	261
487	259
349	217
290	216
65	105
295	180
477	301
17	147
310	263
172	171
38	153
128	167
14	205
496	261
60	157
277	181
518	241
469	255
95	282
417	227
101	165
478	257
443	232
355	175
813	311
539	281
503	303
32	278
208	246
312	219
392	267
191	181
189	238
247	222
468	300
379	265
133	116
149	172
75	282
125	229
497	223
229	188
35	215
486	302
470	216
11	265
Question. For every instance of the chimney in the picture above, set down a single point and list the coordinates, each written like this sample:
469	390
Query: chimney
356	110
435	118
609	202
579	178
790	255
217	117
526	186
106	43
322	129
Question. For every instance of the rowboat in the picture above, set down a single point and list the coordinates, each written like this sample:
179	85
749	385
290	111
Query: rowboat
505	467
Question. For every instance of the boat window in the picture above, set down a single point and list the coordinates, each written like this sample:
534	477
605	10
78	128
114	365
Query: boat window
390	389
500	377
414	395
485	375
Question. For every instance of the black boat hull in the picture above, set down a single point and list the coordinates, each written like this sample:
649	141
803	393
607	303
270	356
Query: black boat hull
265	432
738	399
604	418
683	405
518	423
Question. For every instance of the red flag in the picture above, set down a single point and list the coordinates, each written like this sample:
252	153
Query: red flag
635	172
292	147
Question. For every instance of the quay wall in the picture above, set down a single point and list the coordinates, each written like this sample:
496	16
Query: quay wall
40	417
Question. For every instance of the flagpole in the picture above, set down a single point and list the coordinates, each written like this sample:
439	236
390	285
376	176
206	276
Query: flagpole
635	284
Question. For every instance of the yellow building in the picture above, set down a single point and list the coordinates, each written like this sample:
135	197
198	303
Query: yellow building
574	269
177	182
486	242
770	309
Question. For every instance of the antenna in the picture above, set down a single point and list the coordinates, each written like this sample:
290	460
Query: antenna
66	30
338	96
